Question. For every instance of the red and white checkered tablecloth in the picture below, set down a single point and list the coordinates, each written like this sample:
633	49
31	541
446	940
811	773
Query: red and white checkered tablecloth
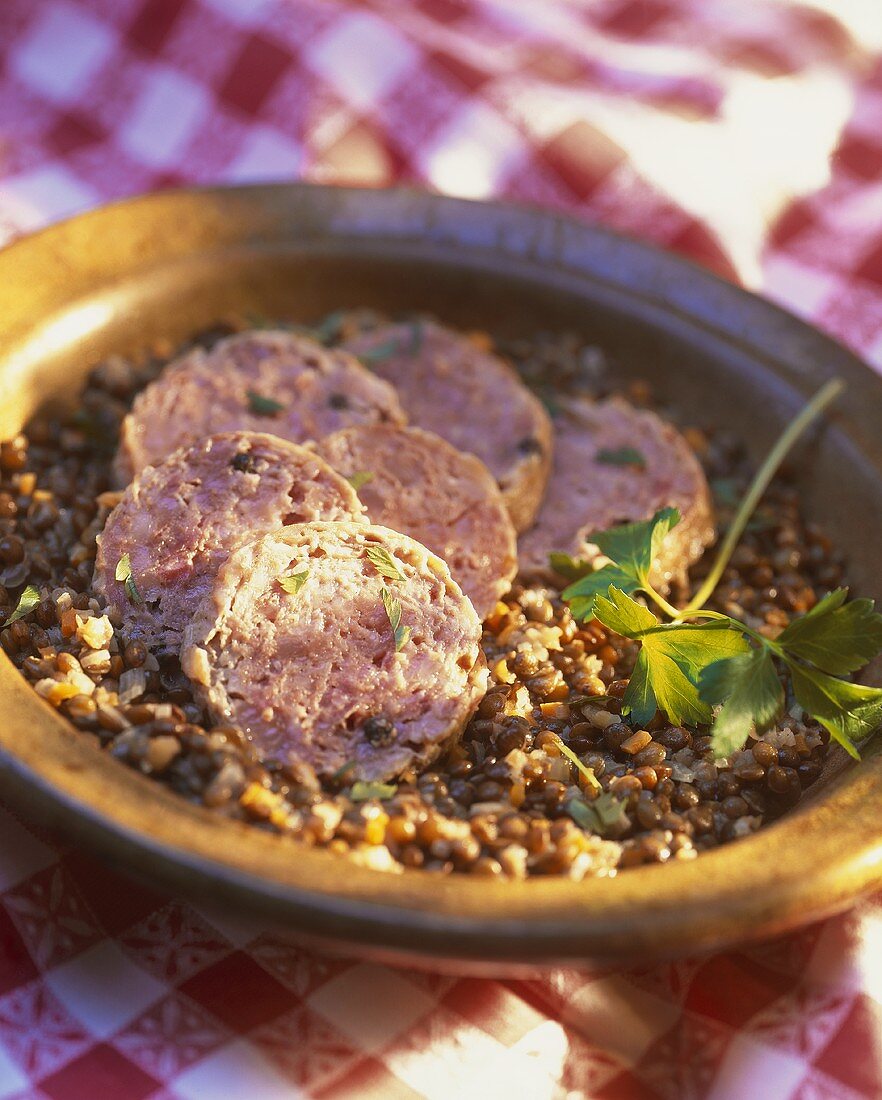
745	133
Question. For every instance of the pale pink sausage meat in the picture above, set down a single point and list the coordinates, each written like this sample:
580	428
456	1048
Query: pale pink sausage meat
314	676
471	398
417	483
265	381
591	491
179	520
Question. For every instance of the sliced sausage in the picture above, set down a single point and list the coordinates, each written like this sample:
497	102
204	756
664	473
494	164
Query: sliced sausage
615	464
312	673
179	520
415	482
471	398
275	382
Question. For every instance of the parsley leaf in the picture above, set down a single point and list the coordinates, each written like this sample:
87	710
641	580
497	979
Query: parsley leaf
293	582
383	562
393	613
397	345
620	456
686	668
263	406
670	661
598	816
850	712
582	595
586	772
623	615
123	568
27	601
123	573
632	548
361	791
751	694
380	352
330	327
343	769
570	568
635	546
416	337
835	636
725	490
359	478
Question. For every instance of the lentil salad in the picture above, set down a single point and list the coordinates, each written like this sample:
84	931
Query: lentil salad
496	804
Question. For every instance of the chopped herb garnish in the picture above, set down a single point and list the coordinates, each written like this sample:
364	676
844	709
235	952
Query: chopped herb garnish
343	769
359	478
361	792
409	345
571	568
92	425
124	573
123	568
598	816
393	613
416	337
383	562
293	582
725	490
27	601
330	328
761	521
263	406
687	668
380	352
586	772
620	456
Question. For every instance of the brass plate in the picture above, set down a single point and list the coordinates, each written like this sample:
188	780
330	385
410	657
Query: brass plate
168	264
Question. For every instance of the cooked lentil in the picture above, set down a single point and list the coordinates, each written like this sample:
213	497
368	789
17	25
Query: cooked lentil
497	804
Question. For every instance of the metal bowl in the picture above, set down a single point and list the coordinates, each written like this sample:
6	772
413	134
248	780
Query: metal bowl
167	265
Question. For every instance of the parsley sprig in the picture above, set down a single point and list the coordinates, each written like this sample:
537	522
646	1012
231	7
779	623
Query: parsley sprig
700	666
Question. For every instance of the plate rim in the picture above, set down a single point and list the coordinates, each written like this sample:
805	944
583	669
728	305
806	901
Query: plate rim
415	915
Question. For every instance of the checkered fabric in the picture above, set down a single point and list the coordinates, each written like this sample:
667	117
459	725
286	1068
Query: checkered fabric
745	134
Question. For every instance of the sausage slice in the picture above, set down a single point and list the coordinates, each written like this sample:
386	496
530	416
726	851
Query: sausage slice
312	671
275	382
178	521
615	464
471	398
417	483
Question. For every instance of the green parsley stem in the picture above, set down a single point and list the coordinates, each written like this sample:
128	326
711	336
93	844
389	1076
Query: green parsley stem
661	602
764	475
